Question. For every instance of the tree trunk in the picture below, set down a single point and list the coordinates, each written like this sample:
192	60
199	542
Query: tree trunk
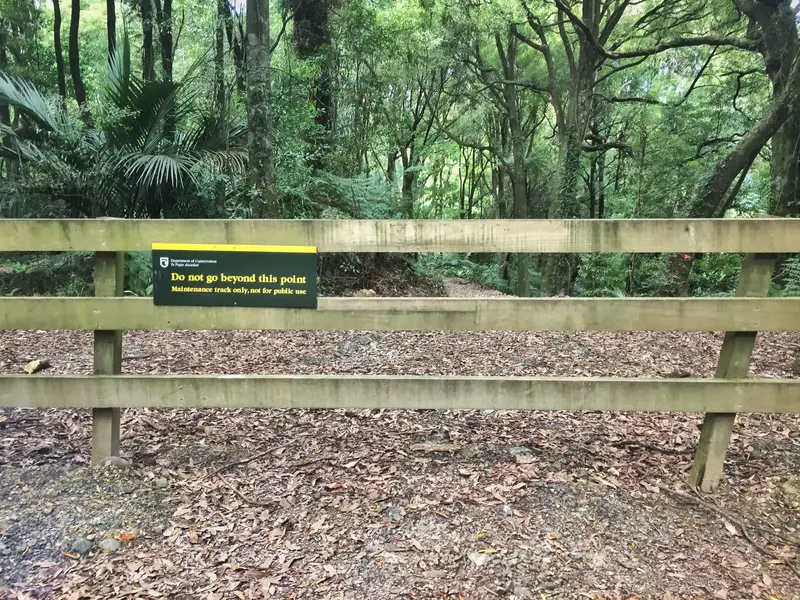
74	55
219	58
60	68
261	165
5	111
558	268
235	46
592	187
498	185
312	39
785	171
462	183
148	60
773	23
164	17
220	98
111	27
408	159
710	198
508	58
391	160
601	185
472	186
408	193
780	48
718	191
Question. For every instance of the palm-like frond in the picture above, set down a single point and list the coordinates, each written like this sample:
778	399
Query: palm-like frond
152	170
155	146
24	96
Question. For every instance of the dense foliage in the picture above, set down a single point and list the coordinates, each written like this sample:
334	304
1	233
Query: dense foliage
449	109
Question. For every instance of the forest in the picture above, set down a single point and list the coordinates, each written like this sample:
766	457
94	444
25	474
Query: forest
409	109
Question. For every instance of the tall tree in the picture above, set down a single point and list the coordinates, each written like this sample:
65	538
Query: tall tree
219	56
235	42
261	161
74	55
773	26
312	39
164	16
60	68
111	27
5	110
148	59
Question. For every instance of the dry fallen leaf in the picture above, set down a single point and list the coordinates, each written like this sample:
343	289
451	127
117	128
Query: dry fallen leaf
767	579
478	558
193	537
435	447
731	529
36	365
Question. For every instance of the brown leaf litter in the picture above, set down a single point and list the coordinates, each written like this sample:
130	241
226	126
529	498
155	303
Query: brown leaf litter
357	504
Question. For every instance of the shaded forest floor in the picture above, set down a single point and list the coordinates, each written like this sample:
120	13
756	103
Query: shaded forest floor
396	504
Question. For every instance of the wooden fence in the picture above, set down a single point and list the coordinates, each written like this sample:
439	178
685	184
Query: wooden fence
108	314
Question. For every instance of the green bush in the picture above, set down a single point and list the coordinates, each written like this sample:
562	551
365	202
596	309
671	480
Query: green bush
790	274
450	264
602	275
715	274
139	274
606	275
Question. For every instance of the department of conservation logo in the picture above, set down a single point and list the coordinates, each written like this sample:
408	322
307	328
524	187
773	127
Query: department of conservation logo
164	261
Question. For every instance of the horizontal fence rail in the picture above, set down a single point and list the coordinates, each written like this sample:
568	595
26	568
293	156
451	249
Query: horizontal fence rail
397	392
579	235
426	314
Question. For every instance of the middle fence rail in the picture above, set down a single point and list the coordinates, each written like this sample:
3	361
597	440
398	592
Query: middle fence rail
423	314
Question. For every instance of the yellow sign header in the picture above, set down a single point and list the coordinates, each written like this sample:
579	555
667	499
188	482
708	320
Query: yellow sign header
237	248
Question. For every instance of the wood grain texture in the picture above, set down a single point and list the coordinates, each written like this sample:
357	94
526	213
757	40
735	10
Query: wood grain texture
391	392
733	363
426	314
109	271
577	235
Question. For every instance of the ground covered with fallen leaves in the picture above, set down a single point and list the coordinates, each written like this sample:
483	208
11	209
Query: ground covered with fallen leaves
280	504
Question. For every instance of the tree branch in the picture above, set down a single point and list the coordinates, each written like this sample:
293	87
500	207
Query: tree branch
286	17
584	30
608	146
631	100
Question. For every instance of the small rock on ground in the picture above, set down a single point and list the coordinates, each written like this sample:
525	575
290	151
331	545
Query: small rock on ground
82	546
478	558
109	545
116	462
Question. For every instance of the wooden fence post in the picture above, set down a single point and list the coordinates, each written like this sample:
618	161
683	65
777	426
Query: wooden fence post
109	271
734	363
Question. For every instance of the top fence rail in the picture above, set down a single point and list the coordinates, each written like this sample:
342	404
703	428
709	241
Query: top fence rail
578	235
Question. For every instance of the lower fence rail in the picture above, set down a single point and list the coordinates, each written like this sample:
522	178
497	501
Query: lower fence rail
402	392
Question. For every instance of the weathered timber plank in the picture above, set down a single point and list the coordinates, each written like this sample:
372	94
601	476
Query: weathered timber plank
734	363
577	235
389	392
398	314
109	272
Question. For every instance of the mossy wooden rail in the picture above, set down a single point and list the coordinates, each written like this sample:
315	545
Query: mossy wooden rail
109	313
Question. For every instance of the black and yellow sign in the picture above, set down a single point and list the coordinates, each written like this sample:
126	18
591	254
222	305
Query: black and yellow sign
235	275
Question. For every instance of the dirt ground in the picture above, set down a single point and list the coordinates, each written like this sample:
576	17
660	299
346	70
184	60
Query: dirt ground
396	504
